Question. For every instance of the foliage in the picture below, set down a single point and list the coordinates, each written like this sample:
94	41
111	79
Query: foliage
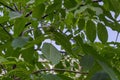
56	40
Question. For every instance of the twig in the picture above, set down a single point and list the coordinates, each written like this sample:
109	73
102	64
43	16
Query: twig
64	70
97	0
28	14
27	24
43	17
117	37
115	43
7	6
16	8
28	30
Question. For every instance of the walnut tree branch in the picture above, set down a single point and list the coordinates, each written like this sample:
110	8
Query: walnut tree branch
16	8
57	70
7	6
117	37
5	30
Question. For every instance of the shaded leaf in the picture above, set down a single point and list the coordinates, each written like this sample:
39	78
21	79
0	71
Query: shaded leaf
93	70
102	33
50	77
108	70
19	42
70	3
37	33
55	6
29	55
91	30
87	62
63	77
81	24
63	41
100	76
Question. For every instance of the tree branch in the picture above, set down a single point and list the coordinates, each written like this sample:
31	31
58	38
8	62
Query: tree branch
63	70
16	8
27	24
28	14
7	6
97	0
28	30
117	37
5	30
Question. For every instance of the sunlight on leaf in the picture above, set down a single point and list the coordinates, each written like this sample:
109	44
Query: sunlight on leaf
51	53
14	15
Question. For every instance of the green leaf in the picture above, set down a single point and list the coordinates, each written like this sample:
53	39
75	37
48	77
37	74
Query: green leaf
60	65
87	62
37	2
3	35
102	33
101	60
108	70
81	24
37	33
29	55
69	19
63	13
50	77
55	6
63	77
78	40
93	70
2	59
37	41
38	11
12	51
100	76
70	3
62	40
55	77
91	30
51	53
20	72
19	42
4	19
115	5
19	26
